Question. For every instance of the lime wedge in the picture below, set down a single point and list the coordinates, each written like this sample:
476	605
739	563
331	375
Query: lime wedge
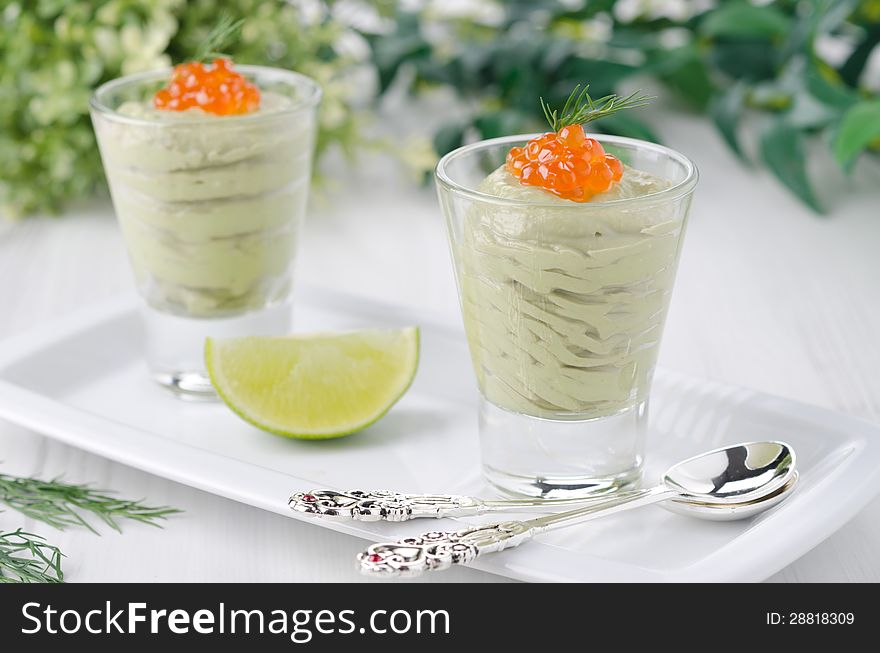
314	386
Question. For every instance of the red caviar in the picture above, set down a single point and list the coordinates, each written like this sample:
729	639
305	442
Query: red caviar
566	163
215	88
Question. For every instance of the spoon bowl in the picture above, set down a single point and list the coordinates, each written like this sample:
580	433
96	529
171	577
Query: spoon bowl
726	484
734	474
715	511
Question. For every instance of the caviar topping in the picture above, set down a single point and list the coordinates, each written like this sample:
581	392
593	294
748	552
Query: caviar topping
215	88
566	162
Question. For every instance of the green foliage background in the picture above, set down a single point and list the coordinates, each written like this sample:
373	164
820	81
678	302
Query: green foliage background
727	59
54	52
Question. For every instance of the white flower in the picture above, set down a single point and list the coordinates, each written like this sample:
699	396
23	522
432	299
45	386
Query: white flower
484	12
353	46
310	11
143	47
626	11
107	43
598	29
833	49
362	16
674	37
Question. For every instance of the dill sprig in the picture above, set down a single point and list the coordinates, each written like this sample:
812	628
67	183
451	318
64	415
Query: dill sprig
62	504
41	564
580	108
225	31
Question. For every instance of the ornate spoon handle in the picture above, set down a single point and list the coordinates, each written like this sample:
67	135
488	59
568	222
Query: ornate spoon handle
382	505
438	550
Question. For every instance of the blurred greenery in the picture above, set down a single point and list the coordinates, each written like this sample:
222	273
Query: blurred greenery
757	66
54	52
730	59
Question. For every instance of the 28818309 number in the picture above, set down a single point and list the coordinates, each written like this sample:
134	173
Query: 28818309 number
811	618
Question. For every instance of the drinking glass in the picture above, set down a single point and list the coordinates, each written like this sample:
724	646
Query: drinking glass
564	305
210	210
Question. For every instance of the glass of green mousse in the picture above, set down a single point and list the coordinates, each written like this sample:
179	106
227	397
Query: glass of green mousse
210	206
564	304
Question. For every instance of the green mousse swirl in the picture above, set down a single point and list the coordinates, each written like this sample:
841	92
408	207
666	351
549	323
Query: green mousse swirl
564	308
209	205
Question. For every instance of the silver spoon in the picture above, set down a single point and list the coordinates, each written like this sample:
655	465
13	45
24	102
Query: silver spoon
725	484
384	505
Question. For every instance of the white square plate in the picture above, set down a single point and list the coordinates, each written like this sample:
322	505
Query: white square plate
83	382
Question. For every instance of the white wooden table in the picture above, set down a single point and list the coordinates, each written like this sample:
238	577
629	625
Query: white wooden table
768	296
